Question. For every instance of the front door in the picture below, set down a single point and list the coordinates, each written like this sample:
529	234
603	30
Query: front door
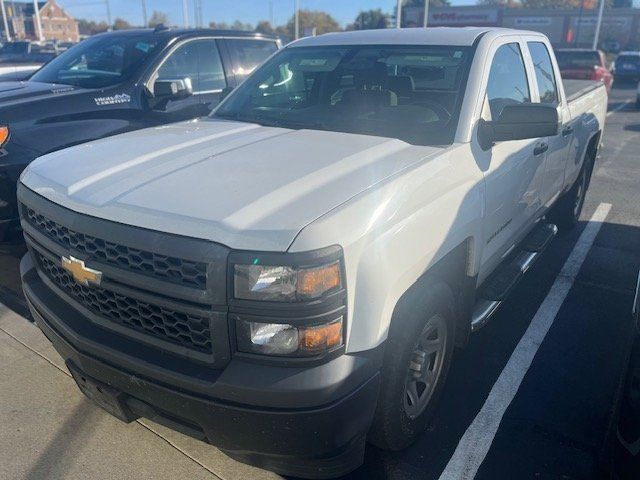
513	170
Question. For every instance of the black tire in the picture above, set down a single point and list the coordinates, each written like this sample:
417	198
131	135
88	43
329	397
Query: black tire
566	212
393	427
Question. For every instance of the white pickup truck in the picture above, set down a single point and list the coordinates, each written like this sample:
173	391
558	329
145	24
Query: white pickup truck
289	277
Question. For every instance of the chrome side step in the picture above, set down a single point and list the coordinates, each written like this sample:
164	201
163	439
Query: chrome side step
502	282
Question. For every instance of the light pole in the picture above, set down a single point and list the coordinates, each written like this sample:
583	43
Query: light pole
296	19
144	13
7	34
426	13
598	25
36	16
108	7
399	14
185	13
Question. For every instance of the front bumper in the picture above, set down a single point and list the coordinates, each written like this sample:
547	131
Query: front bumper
308	422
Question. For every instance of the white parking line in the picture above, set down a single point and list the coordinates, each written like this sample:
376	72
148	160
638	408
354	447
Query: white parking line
476	441
618	108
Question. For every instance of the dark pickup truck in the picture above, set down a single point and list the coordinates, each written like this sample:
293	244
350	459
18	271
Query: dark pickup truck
112	83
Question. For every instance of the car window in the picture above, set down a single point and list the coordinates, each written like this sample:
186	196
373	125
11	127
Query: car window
577	59
544	72
198	60
98	62
410	92
508	83
248	54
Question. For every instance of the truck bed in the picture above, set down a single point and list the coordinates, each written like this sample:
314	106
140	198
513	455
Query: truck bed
574	89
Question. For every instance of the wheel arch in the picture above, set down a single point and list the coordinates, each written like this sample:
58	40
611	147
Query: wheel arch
451	270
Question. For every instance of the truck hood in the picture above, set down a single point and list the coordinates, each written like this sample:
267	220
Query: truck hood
33	91
239	184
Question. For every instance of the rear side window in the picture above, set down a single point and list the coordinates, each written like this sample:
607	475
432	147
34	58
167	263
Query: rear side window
508	83
544	72
246	55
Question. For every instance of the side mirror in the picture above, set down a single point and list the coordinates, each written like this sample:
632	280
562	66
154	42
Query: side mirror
519	122
172	89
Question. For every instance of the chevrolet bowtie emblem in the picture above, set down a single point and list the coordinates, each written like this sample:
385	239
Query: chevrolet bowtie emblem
80	273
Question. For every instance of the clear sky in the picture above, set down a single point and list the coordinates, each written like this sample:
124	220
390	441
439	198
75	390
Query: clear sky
248	11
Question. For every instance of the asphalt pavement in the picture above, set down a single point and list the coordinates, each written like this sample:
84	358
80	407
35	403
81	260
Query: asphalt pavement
533	395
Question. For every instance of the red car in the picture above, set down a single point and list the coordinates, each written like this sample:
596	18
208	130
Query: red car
584	64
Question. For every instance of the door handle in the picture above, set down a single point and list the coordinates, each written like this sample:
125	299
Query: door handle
566	131
540	149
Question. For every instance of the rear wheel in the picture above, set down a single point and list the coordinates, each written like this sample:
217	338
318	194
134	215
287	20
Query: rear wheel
566	213
417	358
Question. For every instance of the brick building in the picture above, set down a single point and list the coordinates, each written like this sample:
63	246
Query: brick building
56	23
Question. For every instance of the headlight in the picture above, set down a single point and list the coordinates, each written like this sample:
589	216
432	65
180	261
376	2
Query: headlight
4	135
288	340
285	283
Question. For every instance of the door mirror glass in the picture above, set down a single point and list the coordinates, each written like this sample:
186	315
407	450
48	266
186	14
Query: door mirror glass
175	89
519	122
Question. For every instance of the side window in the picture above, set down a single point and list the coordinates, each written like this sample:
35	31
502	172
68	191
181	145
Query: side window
200	61
248	54
544	72
507	79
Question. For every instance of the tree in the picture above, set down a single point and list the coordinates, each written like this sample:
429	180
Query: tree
238	25
265	28
89	27
371	19
219	25
322	21
121	24
158	18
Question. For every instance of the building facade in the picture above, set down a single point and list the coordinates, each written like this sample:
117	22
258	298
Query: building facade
55	22
565	28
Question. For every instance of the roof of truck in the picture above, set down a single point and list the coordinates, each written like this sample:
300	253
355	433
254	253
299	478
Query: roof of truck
457	36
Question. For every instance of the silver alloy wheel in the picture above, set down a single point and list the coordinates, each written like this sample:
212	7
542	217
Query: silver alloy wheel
425	366
580	194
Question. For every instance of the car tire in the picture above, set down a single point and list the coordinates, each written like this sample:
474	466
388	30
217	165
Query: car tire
566	212
418	324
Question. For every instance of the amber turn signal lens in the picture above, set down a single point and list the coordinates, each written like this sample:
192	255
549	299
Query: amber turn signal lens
321	337
4	135
313	282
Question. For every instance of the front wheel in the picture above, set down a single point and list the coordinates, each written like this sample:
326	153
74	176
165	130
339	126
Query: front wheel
417	358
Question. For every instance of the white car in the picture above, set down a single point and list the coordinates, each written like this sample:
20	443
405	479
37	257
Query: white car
290	276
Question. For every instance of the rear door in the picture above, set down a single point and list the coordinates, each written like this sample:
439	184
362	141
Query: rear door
546	77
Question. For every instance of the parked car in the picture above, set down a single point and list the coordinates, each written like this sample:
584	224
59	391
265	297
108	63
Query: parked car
627	66
290	276
17	72
26	52
584	64
116	82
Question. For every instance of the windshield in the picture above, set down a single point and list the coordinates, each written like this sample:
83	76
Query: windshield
577	59
98	62
408	92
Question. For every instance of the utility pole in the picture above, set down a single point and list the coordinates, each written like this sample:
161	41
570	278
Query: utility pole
7	34
108	7
36	16
598	25
426	14
577	40
271	12
296	19
185	13
145	22
399	14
